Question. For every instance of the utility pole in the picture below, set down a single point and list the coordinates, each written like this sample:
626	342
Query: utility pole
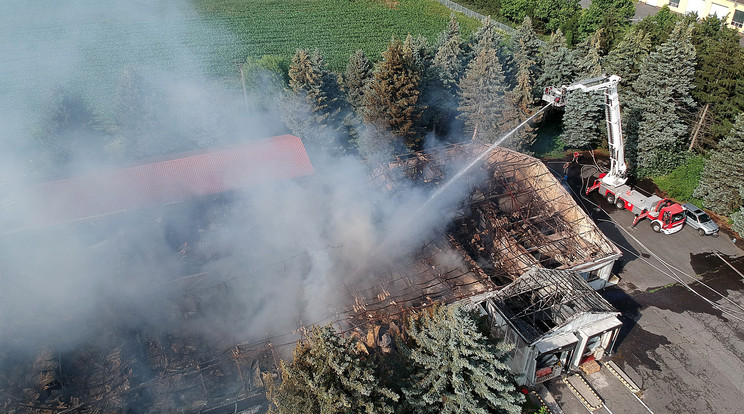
242	80
697	128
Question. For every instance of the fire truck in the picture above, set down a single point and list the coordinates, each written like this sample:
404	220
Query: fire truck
665	215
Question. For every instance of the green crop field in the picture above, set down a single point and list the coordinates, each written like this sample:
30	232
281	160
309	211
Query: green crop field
335	27
86	46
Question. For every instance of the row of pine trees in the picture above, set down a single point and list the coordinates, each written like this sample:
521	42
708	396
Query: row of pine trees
682	89
479	86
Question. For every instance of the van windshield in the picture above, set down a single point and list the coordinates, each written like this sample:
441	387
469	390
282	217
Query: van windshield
704	218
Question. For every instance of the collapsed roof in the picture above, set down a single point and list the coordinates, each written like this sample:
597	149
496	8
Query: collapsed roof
516	219
542	300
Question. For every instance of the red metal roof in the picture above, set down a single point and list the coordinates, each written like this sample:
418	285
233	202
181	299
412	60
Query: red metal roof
187	176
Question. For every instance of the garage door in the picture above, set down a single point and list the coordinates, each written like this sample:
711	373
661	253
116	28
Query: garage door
695	6
652	2
719	10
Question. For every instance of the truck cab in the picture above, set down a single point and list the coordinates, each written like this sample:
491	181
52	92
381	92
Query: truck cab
672	217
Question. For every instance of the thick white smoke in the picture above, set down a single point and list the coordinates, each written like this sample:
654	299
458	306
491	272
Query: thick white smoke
263	262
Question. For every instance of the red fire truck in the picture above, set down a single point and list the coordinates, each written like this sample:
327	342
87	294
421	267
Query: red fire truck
666	216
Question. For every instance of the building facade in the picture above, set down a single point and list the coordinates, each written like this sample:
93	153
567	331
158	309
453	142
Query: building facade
554	322
732	12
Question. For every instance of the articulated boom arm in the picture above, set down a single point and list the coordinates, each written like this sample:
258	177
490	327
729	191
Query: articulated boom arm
556	96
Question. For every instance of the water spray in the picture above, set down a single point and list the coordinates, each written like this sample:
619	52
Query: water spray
444	188
472	164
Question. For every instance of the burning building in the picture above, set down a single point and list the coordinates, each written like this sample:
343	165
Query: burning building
514	223
531	259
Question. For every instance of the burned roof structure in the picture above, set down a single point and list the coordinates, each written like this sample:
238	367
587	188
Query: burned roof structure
516	217
554	322
543	300
514	223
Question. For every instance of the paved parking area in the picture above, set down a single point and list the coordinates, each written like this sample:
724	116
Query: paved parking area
683	347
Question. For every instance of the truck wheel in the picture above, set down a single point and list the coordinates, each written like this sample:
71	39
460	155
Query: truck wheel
610	198
620	204
701	232
656	227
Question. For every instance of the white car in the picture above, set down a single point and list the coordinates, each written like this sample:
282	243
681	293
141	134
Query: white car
696	218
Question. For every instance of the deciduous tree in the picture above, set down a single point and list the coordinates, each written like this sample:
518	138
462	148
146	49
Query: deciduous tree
592	17
70	129
719	79
555	15
265	77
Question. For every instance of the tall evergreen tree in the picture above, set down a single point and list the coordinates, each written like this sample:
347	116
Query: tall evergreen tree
723	175
356	78
455	368
488	36
557	64
318	117
70	129
719	78
665	85
737	218
484	105
392	99
525	82
134	117
421	55
625	60
301	72
584	112
447	69
329	375
448	59
431	95
526	49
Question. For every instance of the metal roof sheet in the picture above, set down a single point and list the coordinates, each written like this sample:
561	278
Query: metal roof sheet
170	181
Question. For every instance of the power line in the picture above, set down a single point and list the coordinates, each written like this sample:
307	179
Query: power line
730	312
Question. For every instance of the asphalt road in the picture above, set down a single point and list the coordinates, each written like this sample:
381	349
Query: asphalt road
682	339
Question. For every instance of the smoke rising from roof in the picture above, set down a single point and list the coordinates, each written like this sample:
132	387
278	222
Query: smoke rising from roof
242	267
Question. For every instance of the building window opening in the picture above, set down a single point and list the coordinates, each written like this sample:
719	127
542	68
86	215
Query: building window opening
738	20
